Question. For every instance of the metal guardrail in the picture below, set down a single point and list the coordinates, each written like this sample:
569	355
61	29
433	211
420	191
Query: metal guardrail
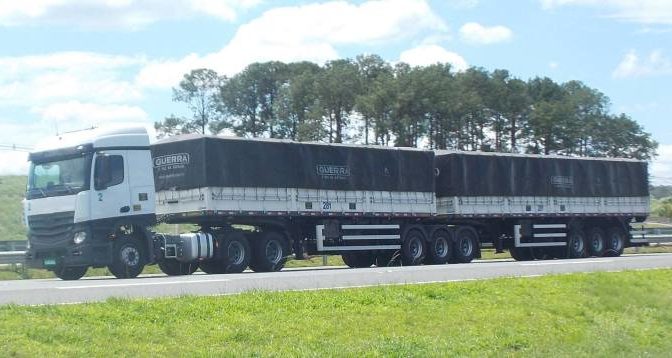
12	257
16	245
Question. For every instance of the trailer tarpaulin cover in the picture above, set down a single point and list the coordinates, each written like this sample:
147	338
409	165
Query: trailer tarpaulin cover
490	174
194	161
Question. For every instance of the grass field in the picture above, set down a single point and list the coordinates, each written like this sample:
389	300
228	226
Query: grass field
597	314
12	189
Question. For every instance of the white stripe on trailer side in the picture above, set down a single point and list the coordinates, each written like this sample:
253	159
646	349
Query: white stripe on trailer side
319	235
369	227
356	248
549	226
541	244
371	237
517	236
559	234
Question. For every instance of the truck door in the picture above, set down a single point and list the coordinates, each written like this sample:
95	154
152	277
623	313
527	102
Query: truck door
111	190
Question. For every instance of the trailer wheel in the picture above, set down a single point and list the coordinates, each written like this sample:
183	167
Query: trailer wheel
172	267
576	245
234	258
615	242
212	267
440	248
129	257
70	273
414	248
465	245
237	253
359	259
596	242
521	253
269	253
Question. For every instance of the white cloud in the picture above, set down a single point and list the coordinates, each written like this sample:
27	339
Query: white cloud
430	54
127	14
13	163
91	114
476	33
463	4
553	65
632	65
309	32
661	168
640	11
40	79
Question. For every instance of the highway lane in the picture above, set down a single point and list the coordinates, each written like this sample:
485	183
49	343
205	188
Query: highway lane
54	291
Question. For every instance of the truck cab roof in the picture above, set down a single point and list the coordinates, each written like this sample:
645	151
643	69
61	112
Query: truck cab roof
91	140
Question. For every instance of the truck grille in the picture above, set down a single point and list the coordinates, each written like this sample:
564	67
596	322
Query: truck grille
48	230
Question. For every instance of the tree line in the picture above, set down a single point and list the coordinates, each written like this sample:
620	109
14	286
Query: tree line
370	101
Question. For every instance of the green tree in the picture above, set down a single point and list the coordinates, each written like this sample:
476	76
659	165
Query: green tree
338	86
198	90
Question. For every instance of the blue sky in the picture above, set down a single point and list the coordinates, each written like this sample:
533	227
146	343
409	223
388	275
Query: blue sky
69	64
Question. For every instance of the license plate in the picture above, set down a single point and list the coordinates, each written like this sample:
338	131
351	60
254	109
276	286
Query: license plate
49	262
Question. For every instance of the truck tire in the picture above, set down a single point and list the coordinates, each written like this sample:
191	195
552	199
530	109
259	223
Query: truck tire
414	248
172	267
129	257
465	245
615	243
521	253
234	255
358	259
576	244
269	252
596	242
440	248
70	273
237	253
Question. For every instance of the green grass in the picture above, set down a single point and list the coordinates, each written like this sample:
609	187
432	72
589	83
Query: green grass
598	314
12	190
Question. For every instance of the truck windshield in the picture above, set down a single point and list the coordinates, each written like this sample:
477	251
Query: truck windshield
59	177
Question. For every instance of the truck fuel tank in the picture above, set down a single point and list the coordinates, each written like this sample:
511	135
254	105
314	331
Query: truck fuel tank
188	247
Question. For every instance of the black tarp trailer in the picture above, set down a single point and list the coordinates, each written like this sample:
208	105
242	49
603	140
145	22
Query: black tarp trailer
319	198
544	206
371	203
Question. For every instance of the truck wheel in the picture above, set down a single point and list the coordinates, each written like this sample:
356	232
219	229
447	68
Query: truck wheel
576	245
269	253
521	253
129	257
440	248
465	245
212	267
615	242
237	253
172	267
358	259
70	273
414	248
596	242
234	257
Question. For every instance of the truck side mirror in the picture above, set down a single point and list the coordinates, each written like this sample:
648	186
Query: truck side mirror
102	174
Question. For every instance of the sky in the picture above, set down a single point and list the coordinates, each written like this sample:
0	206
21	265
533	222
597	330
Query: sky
71	64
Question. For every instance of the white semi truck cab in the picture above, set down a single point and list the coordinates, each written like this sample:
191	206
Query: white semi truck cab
89	192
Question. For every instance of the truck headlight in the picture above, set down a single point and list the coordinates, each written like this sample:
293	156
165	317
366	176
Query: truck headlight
79	237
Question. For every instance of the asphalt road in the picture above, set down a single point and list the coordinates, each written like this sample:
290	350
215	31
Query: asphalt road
54	291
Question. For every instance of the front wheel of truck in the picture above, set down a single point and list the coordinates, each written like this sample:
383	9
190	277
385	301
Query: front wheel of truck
70	273
129	257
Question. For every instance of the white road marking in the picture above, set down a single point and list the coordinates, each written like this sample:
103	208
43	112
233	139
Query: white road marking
138	284
566	262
